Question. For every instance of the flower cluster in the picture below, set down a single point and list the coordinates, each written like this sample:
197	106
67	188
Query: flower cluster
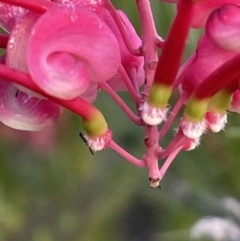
61	53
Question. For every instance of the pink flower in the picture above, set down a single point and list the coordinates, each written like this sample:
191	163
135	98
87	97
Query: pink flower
62	52
61	61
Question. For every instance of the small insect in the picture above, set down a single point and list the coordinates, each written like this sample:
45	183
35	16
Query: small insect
16	95
85	141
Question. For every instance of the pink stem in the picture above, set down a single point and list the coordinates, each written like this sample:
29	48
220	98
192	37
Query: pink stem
4	40
178	140
113	145
39	6
150	40
122	29
168	162
160	42
170	59
78	105
128	82
121	103
172	116
152	134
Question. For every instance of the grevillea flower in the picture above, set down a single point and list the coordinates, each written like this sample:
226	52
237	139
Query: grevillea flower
61	61
216	47
63	52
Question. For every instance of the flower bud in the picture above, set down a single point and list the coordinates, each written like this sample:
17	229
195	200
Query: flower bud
98	143
154	110
193	129
216	121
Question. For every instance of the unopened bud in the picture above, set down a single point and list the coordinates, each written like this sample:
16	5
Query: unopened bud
192	130
216	121
153	115
98	143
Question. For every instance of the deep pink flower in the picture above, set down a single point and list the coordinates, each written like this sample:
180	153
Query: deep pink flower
61	61
61	53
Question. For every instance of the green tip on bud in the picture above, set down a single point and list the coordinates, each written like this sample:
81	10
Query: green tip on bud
196	109
96	126
220	101
159	95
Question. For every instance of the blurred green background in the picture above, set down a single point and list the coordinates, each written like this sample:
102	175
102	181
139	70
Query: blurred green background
52	188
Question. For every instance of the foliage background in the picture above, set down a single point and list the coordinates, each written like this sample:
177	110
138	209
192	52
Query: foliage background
52	188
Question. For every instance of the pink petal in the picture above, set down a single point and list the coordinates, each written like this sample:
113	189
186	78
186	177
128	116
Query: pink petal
91	92
16	55
223	27
77	46
22	111
202	10
208	58
9	15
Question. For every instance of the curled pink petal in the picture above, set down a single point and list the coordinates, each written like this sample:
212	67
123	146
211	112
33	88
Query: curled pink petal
22	111
68	47
223	27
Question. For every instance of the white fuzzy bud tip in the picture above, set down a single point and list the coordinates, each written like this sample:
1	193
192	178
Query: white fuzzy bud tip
216	122
98	143
152	115
192	130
